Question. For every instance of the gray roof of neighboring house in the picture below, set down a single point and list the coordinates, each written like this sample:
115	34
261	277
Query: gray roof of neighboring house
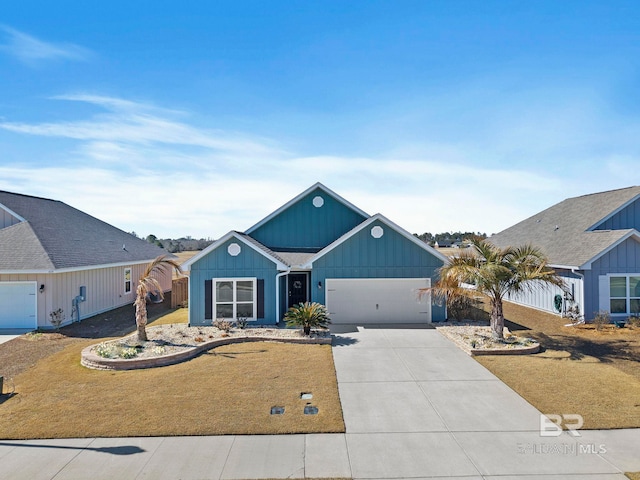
55	236
562	231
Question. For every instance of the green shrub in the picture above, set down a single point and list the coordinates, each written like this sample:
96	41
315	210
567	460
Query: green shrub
308	315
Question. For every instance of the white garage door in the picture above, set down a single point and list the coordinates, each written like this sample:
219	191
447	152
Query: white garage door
18	305
378	300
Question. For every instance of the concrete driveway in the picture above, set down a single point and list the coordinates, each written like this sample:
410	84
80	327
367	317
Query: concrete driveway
417	406
414	407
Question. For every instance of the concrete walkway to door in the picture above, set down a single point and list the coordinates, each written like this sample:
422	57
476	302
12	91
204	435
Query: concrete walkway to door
415	406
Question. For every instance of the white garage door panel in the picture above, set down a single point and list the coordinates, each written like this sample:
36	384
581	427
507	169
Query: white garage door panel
18	305
378	300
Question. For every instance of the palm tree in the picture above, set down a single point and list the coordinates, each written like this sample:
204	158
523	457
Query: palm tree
307	315
495	272
149	284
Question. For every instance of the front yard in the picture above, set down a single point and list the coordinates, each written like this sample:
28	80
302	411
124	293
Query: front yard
227	390
579	371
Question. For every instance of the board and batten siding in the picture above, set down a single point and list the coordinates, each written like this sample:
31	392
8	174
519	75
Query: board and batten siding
625	258
6	219
304	226
218	263
362	256
105	290
628	217
541	296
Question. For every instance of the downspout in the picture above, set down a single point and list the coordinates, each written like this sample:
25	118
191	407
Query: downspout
278	276
581	275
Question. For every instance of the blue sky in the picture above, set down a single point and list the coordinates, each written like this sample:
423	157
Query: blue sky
195	118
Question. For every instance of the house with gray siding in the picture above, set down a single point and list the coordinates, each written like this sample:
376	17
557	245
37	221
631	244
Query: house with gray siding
53	256
593	242
317	247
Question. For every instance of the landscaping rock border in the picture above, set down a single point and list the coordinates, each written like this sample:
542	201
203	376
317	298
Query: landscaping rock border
96	362
460	333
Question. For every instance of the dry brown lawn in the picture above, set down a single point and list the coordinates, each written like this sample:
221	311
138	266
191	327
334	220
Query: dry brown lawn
634	476
228	390
581	370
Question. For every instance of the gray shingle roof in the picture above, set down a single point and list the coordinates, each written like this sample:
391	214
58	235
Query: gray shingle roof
57	236
261	247
562	231
295	259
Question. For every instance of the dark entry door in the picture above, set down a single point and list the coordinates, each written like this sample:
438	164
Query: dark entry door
297	288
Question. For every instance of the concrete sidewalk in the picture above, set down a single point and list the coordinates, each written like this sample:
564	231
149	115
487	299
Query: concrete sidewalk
414	407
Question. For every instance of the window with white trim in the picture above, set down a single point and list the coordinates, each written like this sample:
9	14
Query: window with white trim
127	280
234	298
624	294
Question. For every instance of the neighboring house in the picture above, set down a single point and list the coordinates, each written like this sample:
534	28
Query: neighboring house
317	247
593	242
53	256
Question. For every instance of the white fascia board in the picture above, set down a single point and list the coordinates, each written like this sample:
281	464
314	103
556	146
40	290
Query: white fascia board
565	267
187	265
12	213
365	224
232	234
75	269
414	239
620	208
319	185
631	233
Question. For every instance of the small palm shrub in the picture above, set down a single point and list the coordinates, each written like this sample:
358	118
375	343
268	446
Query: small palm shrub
308	315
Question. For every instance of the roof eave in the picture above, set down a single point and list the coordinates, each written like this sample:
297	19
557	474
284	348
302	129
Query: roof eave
631	233
12	213
75	269
365	224
611	214
232	234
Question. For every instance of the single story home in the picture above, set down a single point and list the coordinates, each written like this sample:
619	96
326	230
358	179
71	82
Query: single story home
317	247
593	242
53	256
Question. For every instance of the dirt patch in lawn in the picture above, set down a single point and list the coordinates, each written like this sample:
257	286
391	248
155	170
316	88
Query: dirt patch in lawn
580	370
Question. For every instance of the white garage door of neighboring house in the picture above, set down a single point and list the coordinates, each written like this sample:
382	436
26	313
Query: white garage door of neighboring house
18	305
378	300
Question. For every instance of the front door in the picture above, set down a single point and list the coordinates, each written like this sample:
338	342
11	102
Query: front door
297	286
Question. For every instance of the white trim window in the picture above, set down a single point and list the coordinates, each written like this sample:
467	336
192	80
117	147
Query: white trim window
127	281
234	298
624	294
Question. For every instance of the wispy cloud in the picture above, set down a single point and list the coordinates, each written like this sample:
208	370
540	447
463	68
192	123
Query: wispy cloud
33	51
138	127
205	182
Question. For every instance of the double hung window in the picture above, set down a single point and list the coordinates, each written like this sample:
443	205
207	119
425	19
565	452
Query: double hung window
234	298
624	294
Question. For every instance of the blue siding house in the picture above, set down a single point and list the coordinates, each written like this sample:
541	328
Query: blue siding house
593	242
317	247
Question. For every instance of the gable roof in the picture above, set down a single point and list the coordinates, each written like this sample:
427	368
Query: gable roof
52	235
318	185
280	263
365	224
566	231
